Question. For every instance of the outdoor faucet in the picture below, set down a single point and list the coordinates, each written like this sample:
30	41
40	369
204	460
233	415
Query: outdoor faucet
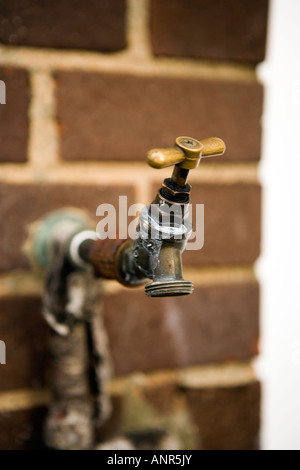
164	227
162	231
161	234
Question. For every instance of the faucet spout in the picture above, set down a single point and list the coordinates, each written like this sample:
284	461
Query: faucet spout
167	276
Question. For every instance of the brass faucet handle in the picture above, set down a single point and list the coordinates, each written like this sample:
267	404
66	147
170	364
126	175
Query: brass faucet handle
213	147
187	152
162	158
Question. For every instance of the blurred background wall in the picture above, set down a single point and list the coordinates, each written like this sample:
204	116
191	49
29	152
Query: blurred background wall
89	90
278	267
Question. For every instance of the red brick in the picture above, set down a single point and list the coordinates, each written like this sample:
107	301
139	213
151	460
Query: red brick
121	117
94	24
215	323
224	417
227	418
23	204
232	218
162	396
14	115
24	332
218	29
22	430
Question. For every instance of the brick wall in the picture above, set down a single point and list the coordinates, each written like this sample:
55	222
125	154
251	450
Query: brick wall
89	91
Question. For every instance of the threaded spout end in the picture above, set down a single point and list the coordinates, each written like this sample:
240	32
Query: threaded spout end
169	288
